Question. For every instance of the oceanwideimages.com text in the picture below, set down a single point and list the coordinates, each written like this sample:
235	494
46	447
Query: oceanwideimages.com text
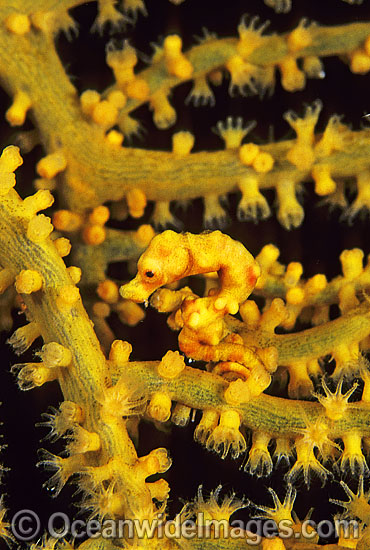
26	526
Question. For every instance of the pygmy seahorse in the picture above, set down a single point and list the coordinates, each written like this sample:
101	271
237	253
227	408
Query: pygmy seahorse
172	256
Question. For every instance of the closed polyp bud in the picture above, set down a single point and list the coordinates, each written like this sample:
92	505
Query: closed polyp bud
94	234
18	23
68	295
51	165
359	62
250	313
99	215
10	159
263	162
65	220
292	78
324	184
159	406
88	100
295	296
293	273
117	98
39	201
63	246
28	281
182	143
299	38
75	273
115	138
56	355
316	284
171	365
108	291
352	263
39	228
268	256
16	114
136	201
120	352
248	153
144	234
105	114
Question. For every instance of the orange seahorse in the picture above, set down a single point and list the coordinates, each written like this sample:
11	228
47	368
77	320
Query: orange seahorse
172	256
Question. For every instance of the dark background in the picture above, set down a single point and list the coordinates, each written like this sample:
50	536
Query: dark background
317	243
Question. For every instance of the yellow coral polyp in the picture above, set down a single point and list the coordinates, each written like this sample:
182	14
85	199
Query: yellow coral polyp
89	99
105	114
250	36
295	296
252	204
164	114
136	201
120	352
39	201
16	114
39	228
49	166
263	162
68	296
54	354
115	138
10	159
250	313
315	284
117	98
293	273
34	375
75	274
248	153
63	246
171	365
83	441
182	143
313	67
259	459
159	406
108	291
352	263
335	403
137	89
236	393
94	234
242	73
28	281
299	38
292	78
65	220
99	215
176	62
18	23
129	313
352	455
324	183
359	62
226	436
122	63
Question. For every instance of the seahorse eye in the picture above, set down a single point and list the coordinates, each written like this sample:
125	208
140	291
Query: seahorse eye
149	274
